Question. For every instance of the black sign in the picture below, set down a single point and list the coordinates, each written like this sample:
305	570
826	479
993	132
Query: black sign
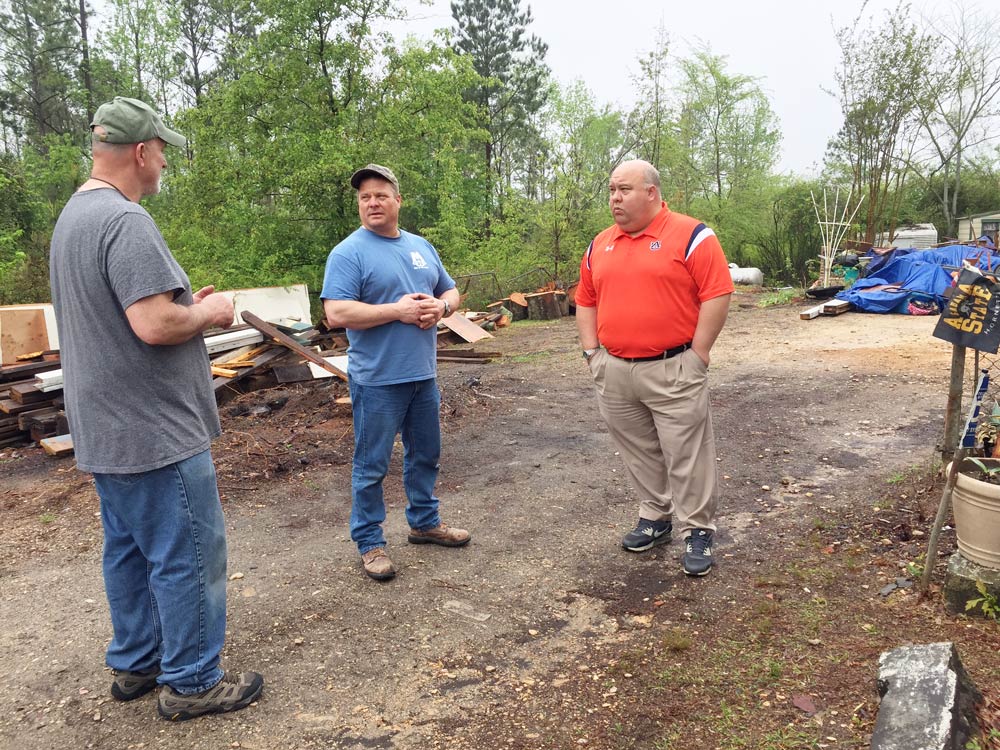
972	317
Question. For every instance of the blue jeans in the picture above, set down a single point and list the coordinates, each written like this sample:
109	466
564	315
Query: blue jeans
165	571
380	412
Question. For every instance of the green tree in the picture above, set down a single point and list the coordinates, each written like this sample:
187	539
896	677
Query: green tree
142	44
727	146
959	113
511	88
38	64
881	87
587	145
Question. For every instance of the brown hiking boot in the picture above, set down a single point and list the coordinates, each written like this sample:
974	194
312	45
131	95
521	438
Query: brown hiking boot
128	686
442	534
378	565
233	692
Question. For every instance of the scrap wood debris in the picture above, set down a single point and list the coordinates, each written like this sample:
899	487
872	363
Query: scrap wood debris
257	354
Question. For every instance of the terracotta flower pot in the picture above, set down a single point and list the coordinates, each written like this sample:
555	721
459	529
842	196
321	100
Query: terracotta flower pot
976	505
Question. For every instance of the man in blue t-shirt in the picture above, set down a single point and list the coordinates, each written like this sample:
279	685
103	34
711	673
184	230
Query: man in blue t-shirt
388	288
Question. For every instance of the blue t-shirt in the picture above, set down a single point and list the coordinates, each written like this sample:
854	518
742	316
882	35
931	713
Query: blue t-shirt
367	267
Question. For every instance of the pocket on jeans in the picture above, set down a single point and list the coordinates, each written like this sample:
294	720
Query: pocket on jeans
124	480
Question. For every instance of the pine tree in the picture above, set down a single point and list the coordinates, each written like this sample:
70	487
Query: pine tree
38	62
510	62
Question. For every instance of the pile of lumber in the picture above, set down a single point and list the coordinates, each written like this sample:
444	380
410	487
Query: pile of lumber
256	354
31	404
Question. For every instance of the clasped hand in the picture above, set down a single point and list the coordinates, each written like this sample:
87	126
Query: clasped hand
420	309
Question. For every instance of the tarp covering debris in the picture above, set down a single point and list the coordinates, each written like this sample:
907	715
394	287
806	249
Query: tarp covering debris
899	277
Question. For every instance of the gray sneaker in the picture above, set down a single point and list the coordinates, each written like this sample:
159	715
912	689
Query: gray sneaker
646	535
697	559
233	692
131	685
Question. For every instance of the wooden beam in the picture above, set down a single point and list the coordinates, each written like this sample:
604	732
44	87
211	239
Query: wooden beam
837	307
58	446
19	372
287	341
223	342
28	394
9	406
812	312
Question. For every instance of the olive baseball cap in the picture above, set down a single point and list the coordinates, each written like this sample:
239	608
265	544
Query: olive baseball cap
373	170
125	120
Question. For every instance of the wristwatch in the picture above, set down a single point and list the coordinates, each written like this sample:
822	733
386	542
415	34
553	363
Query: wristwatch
588	353
447	309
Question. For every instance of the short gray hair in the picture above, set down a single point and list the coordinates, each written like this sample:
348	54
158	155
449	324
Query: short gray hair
651	175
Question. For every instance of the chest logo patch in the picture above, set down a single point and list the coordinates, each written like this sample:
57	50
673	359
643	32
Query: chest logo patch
655	245
418	260
609	248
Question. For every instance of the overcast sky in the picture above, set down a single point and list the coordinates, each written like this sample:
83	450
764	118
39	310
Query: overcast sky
788	44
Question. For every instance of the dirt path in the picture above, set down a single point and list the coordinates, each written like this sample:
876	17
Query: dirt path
542	633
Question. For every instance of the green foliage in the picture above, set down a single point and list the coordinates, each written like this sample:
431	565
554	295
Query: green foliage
882	87
502	169
511	74
986	601
781	297
992	737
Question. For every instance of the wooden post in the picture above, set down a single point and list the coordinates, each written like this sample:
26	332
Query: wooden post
953	411
949	487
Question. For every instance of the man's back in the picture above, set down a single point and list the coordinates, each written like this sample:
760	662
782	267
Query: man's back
131	406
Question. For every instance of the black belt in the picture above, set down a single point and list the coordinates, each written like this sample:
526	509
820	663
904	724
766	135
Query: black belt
662	355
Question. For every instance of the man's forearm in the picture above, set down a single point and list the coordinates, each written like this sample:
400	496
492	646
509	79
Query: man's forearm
711	319
586	326
452	297
358	315
159	321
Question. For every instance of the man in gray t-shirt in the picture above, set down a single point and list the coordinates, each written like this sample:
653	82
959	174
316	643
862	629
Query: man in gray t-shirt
142	415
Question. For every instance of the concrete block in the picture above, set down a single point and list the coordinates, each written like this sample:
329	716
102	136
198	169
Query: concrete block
927	699
960	584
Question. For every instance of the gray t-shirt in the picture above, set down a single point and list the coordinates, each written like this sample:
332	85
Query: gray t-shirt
132	407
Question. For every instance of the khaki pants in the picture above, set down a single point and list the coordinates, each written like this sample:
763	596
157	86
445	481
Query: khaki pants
658	416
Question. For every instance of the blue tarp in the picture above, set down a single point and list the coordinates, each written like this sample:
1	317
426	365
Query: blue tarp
918	274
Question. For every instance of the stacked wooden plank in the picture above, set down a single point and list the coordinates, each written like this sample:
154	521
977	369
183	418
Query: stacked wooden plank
26	412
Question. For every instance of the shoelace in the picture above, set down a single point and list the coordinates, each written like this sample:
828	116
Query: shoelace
697	544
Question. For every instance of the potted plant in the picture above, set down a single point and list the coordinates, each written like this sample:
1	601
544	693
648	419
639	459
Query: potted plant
976	505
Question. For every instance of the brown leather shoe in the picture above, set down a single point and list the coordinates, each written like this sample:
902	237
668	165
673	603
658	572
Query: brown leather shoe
442	534
378	565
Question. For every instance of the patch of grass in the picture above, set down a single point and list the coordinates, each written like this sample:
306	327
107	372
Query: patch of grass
47	518
528	323
897	478
533	357
775	671
781	297
676	640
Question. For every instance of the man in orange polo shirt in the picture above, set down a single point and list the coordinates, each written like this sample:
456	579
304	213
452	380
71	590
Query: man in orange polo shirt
653	296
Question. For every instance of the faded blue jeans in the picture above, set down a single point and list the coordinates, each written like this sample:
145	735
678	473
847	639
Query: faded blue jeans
165	572
380	413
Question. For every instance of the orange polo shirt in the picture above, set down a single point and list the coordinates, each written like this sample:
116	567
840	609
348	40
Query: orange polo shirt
648	289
